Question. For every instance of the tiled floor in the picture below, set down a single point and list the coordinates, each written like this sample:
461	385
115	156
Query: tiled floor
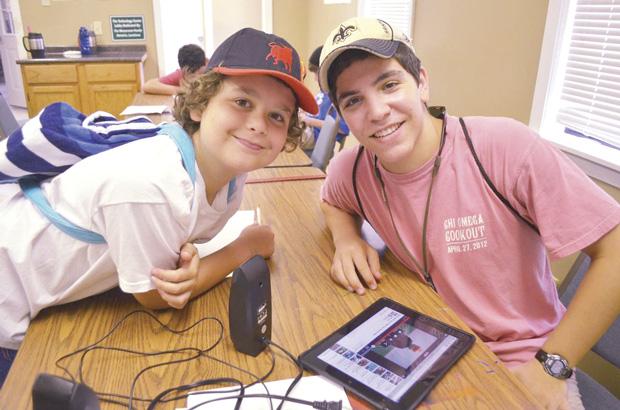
19	113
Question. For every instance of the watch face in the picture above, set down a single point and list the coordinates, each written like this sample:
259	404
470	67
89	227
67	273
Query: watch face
557	367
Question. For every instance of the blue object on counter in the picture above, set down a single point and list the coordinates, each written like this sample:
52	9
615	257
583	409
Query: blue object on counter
86	43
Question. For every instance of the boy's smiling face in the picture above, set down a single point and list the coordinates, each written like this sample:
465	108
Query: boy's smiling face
384	107
244	127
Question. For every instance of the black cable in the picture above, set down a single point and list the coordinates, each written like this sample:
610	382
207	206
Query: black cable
324	405
94	346
260	380
144	370
202	383
294	359
114	398
117	324
257	380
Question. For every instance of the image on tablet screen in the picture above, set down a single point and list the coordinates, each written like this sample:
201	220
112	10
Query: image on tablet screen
389	352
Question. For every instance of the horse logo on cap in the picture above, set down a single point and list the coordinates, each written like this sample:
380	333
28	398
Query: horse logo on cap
343	33
281	53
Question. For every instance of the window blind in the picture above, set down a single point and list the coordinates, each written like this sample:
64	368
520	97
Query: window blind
398	13
590	99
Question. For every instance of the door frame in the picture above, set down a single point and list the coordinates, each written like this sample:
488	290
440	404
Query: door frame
12	72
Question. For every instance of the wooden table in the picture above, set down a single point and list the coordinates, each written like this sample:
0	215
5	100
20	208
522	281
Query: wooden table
307	306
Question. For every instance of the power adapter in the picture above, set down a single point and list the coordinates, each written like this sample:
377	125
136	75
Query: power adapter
249	306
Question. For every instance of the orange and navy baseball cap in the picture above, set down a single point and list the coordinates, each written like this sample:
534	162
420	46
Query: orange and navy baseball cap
250	51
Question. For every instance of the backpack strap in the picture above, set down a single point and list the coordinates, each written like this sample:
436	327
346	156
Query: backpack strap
489	182
184	144
31	187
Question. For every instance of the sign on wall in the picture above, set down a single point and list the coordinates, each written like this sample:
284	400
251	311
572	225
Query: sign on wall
127	27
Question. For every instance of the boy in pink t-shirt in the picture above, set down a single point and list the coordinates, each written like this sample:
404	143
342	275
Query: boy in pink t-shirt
418	184
192	63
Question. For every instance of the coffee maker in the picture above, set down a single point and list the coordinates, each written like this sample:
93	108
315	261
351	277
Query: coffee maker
34	44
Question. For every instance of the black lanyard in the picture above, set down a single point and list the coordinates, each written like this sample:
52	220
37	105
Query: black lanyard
437	112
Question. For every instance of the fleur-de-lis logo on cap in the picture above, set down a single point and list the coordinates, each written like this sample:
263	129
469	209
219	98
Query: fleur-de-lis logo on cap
343	33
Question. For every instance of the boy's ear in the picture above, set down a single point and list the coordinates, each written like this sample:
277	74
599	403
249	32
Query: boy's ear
195	115
423	85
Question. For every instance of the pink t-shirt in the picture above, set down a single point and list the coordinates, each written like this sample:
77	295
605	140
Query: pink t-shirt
488	265
174	78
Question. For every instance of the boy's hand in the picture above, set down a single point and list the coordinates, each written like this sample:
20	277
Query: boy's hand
259	239
354	259
176	286
551	393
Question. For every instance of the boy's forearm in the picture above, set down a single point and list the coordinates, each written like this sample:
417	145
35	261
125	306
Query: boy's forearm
343	226
154	86
213	268
595	305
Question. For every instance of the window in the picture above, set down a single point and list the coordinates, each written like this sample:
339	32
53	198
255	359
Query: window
577	97
398	13
7	26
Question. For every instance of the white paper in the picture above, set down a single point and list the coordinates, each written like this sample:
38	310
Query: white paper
231	231
311	388
144	109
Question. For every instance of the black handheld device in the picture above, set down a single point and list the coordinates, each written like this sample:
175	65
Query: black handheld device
249	306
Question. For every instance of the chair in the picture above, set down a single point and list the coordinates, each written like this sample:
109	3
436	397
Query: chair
325	142
594	395
8	123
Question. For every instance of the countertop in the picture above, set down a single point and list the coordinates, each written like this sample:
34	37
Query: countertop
123	54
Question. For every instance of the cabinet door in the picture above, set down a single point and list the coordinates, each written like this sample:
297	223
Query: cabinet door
48	83
110	97
50	74
40	96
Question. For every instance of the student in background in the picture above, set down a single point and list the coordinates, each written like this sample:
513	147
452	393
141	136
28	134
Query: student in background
239	116
192	63
322	99
419	185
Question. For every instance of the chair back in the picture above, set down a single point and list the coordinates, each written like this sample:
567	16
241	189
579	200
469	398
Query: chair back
325	142
608	346
8	123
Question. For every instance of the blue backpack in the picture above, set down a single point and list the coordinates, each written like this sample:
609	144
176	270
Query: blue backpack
58	137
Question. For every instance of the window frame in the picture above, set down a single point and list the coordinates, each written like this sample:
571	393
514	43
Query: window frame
597	160
363	7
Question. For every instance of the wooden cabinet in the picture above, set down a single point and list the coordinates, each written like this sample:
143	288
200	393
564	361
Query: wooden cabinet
49	83
88	87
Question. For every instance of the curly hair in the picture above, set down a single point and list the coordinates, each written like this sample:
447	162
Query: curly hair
200	92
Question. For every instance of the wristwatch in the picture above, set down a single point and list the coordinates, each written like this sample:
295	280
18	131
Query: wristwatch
554	364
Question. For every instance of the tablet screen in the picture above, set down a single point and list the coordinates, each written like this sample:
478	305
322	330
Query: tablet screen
388	349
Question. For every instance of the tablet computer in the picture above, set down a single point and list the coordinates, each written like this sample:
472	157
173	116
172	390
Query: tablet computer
389	355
